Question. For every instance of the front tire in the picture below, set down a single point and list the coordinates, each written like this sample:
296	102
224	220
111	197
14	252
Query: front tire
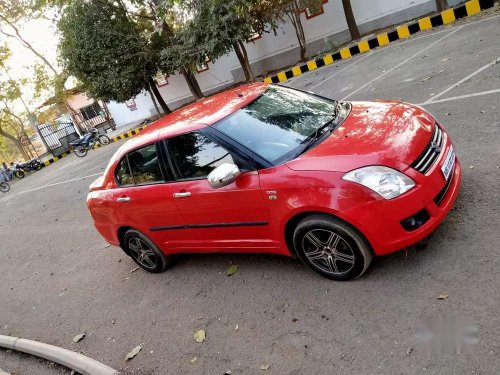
145	253
331	247
80	151
104	140
37	166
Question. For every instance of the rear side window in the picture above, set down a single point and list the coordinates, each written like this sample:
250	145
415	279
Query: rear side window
195	155
140	167
123	175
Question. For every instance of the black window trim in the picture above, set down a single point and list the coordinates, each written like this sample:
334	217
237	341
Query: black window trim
160	161
204	131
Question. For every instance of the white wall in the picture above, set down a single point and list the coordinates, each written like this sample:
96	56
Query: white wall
331	22
123	115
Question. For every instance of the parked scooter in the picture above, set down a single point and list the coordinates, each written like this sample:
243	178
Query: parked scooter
82	145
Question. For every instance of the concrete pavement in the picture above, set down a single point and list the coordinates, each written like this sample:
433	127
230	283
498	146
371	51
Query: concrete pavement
60	279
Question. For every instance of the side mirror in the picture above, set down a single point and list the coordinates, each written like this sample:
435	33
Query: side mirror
223	175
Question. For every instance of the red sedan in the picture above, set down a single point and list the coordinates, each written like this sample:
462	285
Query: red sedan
265	168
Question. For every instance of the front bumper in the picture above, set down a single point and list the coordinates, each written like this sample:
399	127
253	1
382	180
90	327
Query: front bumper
380	220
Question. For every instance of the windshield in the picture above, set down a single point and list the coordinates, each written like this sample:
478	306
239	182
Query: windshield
277	124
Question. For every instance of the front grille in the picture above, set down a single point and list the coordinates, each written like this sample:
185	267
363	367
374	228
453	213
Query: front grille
425	161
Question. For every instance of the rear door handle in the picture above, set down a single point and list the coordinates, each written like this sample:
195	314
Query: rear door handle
184	194
123	199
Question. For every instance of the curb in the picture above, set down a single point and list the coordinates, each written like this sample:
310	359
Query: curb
403	31
122	136
78	362
117	138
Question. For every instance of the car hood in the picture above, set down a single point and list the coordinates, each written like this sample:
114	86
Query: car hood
375	133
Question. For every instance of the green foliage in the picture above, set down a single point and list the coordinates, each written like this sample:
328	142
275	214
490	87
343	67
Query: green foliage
105	50
214	27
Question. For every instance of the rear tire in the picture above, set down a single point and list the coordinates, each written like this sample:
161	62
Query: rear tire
104	140
81	151
4	187
331	247
145	253
37	166
19	174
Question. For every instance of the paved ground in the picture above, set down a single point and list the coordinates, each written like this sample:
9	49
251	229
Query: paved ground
58	278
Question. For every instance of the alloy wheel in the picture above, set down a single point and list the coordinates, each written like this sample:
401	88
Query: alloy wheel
142	253
328	251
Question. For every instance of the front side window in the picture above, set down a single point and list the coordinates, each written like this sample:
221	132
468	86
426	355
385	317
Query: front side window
140	167
276	125
195	155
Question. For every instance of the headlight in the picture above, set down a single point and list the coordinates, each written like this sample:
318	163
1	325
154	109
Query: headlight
385	181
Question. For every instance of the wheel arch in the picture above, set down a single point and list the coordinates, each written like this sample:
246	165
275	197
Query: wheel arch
292	223
121	234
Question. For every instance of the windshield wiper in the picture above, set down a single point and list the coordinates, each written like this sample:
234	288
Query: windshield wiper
318	133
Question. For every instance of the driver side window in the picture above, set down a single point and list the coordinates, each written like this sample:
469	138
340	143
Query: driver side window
195	156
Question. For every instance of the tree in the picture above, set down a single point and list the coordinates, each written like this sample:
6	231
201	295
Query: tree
167	16
218	27
8	126
12	124
106	51
292	10
351	21
441	5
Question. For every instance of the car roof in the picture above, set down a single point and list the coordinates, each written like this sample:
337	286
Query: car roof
197	115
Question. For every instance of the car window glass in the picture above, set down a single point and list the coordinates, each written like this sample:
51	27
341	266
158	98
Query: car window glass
123	175
196	155
145	166
275	125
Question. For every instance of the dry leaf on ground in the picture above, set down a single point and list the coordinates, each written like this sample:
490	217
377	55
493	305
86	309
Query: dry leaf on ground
199	336
134	352
79	337
232	270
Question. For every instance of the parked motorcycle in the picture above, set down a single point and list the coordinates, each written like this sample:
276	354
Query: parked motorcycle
32	165
4	187
82	145
17	171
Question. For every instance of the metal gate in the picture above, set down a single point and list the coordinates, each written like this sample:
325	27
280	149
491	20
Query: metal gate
58	136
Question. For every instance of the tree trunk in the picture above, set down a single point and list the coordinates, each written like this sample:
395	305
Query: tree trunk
241	59
158	96
293	14
246	62
302	39
192	83
441	5
351	21
154	101
16	142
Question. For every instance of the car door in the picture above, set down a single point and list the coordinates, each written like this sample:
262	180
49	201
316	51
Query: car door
145	202
231	218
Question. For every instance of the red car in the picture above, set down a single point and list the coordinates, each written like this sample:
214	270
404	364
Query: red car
269	169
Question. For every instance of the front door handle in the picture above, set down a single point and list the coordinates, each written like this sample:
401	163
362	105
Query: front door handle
123	199
184	194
